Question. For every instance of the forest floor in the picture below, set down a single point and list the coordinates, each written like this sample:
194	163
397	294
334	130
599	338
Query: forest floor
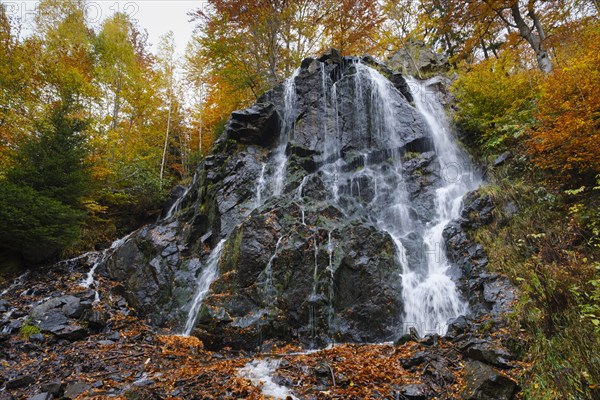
118	355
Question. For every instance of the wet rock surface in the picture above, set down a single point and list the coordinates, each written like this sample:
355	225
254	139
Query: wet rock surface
487	293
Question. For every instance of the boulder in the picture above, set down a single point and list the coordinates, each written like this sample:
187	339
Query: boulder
70	306
487	352
485	383
416	59
75	389
20	382
255	125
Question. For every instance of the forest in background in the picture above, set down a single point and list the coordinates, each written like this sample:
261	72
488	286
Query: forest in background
95	130
120	125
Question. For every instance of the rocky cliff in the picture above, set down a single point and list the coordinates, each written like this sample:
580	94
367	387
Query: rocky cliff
323	192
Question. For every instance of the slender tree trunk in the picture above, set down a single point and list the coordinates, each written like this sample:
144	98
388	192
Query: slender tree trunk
164	155
534	40
485	50
116	106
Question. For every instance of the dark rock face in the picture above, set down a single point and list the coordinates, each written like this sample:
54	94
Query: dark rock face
255	125
485	383
296	265
487	293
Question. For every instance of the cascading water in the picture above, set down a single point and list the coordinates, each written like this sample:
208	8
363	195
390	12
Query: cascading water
178	203
429	295
205	279
287	125
363	153
98	260
432	299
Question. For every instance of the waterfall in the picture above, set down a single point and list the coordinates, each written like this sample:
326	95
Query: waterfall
269	291
429	295
366	128
431	300
287	125
16	283
177	204
260	186
99	259
206	278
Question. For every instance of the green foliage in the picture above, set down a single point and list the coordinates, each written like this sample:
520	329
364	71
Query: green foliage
588	299
538	245
41	196
27	330
53	161
496	101
34	225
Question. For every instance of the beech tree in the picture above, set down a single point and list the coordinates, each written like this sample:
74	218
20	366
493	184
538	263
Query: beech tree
463	26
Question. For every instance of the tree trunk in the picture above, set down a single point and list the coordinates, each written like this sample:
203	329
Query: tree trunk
164	155
534	40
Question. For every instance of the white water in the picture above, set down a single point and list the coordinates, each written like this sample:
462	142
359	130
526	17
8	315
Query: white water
269	291
260	186
16	283
260	373
289	118
100	258
205	279
432	299
177	204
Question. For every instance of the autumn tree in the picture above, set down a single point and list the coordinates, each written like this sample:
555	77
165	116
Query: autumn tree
464	26
19	87
567	135
352	26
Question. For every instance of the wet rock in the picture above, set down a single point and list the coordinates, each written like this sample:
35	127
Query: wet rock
418	359
331	56
255	125
457	327
417	391
54	388
477	210
75	389
20	382
430	340
403	339
41	396
488	353
485	383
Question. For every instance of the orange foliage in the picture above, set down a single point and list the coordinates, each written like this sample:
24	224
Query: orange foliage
567	137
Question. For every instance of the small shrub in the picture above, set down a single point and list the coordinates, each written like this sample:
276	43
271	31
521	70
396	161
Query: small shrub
28	330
